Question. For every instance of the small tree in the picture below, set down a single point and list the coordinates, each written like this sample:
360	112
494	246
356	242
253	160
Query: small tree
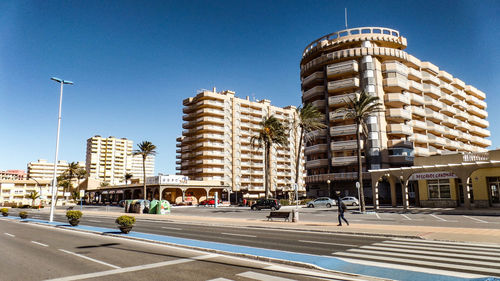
33	196
127	177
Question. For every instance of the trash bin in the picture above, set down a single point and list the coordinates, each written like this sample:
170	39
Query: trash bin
164	207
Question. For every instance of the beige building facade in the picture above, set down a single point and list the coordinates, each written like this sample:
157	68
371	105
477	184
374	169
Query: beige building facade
43	170
215	144
109	159
16	191
427	111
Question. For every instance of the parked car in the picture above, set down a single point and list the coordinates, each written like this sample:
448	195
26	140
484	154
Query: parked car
210	202
321	202
272	204
350	201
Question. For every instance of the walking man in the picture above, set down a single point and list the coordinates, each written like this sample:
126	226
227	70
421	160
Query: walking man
341	208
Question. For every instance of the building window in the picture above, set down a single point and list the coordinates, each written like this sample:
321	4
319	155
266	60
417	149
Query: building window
439	189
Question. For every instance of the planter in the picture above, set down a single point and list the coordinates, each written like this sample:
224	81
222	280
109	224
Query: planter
74	222
125	229
5	214
23	216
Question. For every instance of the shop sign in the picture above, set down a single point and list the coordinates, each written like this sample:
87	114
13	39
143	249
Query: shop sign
433	176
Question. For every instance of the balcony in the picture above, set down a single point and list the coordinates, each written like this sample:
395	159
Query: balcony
417	99
317	134
343	130
471	90
449	110
317	148
433	115
427	77
399	129
436	141
396	99
419	111
396	83
446	88
477	112
432	103
345	145
342	99
401	159
464	127
459	94
478	121
419	138
318	91
480	141
344	84
415	87
480	131
445	76
319	104
432	91
316	76
398	114
475	101
345	161
341	68
334	116
462	115
395	143
421	151
418	124
395	66
312	164
414	74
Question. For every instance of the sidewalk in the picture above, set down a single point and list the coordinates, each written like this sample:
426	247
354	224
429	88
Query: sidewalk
478	235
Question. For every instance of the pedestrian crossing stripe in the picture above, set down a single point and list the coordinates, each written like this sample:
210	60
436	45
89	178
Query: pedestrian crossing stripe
488	246
434	249
435	253
446	246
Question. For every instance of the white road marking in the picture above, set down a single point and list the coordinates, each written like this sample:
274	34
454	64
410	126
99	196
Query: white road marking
437	217
236	234
377	215
171	228
220	279
296	270
328	243
8	234
429	253
433	248
413	268
489	246
38	243
441	246
481	221
406	217
458	267
90	259
127	269
262	277
94	221
425	256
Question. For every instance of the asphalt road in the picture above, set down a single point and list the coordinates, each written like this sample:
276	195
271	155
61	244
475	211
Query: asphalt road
33	252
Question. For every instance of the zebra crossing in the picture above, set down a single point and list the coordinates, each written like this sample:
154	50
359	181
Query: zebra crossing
254	276
440	257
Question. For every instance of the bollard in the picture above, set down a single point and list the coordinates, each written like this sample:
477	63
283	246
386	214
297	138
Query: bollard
295	215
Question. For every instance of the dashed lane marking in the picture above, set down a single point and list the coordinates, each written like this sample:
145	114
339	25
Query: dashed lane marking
262	277
94	221
406	217
441	219
171	228
8	234
377	215
328	243
237	234
90	259
38	243
481	221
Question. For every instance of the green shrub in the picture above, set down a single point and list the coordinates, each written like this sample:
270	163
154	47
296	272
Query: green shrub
25	207
305	201
4	210
74	215
23	214
284	202
125	220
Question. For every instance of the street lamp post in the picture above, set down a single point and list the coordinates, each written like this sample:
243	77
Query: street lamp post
54	181
329	193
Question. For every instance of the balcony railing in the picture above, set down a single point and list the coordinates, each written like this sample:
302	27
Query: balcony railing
421	151
397	114
432	90
343	84
342	99
316	149
315	76
396	99
426	76
314	92
417	110
340	68
344	161
343	130
417	99
478	121
311	164
415	86
399	129
396	83
345	145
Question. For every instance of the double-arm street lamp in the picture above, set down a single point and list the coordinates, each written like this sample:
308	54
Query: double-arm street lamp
54	181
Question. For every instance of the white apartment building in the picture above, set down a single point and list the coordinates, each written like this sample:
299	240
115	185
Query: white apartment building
109	159
215	144
17	191
43	170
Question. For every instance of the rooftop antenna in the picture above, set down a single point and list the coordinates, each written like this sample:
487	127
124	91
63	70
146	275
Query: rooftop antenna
345	18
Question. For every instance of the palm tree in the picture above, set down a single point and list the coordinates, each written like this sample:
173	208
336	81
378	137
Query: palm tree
80	174
146	148
272	131
127	177
308	119
359	109
65	183
33	196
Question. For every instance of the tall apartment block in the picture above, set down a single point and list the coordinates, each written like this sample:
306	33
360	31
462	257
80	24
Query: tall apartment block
215	143
427	110
108	159
43	170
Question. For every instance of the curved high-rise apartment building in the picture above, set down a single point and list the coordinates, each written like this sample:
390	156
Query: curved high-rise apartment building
427	111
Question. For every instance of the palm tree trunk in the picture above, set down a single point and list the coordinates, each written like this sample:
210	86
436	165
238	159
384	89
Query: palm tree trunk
267	168
360	167
297	161
144	174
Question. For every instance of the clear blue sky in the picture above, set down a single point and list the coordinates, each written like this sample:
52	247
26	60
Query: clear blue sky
133	62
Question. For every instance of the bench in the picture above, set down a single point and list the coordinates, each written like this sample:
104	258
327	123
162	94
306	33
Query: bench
281	215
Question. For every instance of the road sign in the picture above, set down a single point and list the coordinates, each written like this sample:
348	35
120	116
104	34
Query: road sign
357	184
